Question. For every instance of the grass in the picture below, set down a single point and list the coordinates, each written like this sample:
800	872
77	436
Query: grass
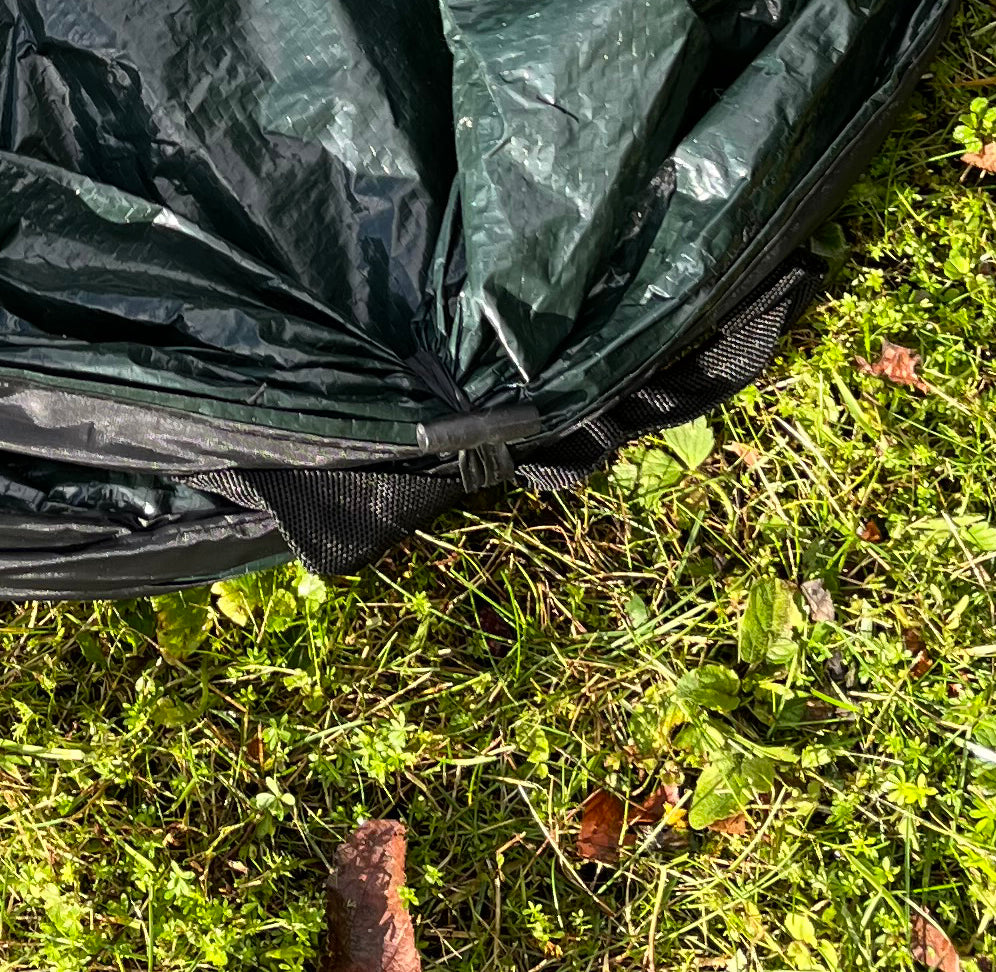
175	775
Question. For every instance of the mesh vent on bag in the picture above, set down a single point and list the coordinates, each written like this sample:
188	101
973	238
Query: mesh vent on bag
336	521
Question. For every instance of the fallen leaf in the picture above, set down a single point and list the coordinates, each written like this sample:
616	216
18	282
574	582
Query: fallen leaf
931	947
602	819
871	532
816	710
663	805
985	160
818	600
368	927
896	363
255	749
499	635
657	805
735	826
716	964
748	456
917	647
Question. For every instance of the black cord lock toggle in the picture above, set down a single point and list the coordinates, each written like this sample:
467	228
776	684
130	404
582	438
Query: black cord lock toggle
481	439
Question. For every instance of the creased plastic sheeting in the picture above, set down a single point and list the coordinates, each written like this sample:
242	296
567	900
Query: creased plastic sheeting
31	487
72	421
310	145
244	204
71	532
781	120
564	111
64	559
313	135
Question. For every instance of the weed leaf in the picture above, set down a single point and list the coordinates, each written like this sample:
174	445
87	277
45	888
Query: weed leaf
691	443
801	928
973	530
715	798
312	590
702	738
727	785
183	621
769	623
170	715
237	599
653	720
710	686
532	741
644	475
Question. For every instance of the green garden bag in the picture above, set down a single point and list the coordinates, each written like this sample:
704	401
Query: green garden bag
288	278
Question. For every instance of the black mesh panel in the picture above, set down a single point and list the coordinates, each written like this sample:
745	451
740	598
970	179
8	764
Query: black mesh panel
336	521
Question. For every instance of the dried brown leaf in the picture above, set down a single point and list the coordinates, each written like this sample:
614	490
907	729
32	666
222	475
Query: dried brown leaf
736	825
917	647
255	749
605	817
602	819
897	364
931	947
748	456
369	928
871	532
818	600
657	805
816	710
985	160
499	635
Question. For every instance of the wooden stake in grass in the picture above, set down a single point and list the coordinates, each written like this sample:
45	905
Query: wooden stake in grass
369	928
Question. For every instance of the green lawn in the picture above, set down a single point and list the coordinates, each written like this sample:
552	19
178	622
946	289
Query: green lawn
176	775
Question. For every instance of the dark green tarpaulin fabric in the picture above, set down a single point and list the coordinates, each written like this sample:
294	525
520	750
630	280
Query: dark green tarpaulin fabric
227	227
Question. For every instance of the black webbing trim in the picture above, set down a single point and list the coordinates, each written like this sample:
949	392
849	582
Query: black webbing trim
336	521
739	351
